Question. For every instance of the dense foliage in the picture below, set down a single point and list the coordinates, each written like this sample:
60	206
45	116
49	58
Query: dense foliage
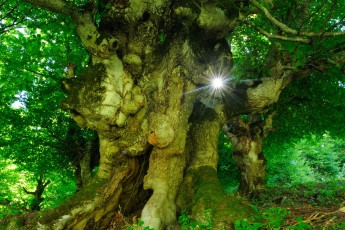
34	130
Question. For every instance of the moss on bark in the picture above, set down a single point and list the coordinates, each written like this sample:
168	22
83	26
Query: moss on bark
201	193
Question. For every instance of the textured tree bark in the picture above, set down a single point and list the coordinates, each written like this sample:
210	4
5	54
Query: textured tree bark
85	164
247	140
168	131
147	58
201	193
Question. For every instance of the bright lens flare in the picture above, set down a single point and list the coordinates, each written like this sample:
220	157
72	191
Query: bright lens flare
217	83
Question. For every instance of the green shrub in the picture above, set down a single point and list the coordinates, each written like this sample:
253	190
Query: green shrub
188	223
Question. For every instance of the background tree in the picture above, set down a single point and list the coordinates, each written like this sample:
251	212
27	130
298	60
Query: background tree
41	185
261	57
307	141
33	127
247	135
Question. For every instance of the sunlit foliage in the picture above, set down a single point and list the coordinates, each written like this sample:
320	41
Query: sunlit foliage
35	47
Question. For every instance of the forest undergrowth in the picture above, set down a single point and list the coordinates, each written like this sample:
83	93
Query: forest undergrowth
304	206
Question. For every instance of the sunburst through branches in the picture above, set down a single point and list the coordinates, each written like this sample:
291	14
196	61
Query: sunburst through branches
217	86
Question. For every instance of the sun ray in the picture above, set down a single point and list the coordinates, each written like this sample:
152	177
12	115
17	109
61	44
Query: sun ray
217	89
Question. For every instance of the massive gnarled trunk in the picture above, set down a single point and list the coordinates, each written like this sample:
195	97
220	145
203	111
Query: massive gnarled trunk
156	130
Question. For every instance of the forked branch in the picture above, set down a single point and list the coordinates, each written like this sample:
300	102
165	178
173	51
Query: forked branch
279	37
289	30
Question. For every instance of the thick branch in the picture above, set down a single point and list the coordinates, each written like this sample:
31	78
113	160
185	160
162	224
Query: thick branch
86	28
28	192
253	95
279	37
87	31
289	30
58	6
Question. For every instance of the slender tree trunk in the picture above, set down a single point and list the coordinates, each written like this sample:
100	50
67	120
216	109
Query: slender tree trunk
37	194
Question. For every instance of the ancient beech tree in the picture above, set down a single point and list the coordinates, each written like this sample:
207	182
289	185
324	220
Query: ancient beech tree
147	93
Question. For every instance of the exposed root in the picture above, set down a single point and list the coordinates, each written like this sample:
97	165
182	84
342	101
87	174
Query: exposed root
322	217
